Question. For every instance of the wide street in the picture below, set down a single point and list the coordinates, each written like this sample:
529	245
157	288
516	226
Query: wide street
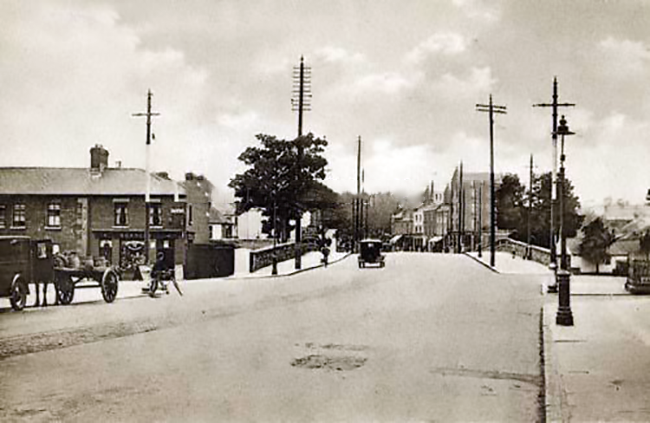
431	337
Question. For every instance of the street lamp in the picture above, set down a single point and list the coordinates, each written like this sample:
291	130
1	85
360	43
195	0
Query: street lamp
274	257
564	316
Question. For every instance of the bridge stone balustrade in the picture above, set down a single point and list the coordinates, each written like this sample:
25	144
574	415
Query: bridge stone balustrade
264	256
538	254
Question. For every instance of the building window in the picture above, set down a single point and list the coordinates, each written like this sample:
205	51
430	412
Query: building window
211	231
19	216
3	216
121	214
54	214
190	218
155	214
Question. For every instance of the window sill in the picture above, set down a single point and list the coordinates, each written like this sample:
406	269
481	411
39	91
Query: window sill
155	227
53	228
120	227
18	228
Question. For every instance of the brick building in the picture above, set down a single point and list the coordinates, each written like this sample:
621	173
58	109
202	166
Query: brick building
198	190
95	211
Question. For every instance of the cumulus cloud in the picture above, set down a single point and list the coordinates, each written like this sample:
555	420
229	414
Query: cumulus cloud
447	43
623	57
386	83
610	158
331	54
473	84
479	9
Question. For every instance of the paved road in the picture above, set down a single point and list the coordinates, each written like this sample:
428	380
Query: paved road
428	338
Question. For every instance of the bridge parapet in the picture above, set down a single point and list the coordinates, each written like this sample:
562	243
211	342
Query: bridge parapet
264	256
538	254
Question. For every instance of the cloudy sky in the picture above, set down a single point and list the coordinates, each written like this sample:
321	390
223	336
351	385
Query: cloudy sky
403	75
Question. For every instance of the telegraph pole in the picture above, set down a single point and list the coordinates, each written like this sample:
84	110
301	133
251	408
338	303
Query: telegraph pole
357	222
530	208
364	206
480	220
554	105
147	196
491	109
461	212
301	89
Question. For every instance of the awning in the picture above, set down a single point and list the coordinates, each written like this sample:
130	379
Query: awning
435	239
394	239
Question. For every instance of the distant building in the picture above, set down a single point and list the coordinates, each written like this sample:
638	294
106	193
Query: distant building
199	203
469	209
95	211
249	224
221	227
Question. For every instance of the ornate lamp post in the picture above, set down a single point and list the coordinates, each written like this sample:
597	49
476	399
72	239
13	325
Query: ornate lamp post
564	316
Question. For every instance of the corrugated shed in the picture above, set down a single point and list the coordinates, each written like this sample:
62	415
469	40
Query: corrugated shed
82	181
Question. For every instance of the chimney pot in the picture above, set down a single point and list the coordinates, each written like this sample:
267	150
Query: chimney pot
98	158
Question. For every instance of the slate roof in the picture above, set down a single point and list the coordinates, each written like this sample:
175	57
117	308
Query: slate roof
216	216
621	247
81	181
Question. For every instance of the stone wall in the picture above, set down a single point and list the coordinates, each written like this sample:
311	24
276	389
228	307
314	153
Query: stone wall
264	256
538	254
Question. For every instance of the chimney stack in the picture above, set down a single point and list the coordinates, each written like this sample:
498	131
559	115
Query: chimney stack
98	159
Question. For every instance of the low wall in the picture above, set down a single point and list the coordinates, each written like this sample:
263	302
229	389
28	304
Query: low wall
264	256
252	244
538	254
209	261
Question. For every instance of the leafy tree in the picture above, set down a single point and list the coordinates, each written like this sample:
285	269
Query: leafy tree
509	198
541	211
380	208
280	175
595	243
644	244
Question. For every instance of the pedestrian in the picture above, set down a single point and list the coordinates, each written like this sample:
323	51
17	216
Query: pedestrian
159	266
326	252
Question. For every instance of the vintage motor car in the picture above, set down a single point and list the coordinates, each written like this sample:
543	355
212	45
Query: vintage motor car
23	261
370	253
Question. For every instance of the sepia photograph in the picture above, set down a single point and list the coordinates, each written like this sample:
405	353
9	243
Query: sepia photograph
324	211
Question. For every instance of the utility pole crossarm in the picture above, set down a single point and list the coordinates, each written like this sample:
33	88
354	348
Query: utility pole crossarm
491	109
554	106
147	195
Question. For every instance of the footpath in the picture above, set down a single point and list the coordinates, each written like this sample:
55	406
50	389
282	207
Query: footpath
89	292
599	368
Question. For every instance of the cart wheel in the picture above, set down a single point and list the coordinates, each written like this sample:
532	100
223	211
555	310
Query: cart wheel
64	288
18	296
109	285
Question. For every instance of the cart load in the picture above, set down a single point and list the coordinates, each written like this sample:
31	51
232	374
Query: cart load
70	271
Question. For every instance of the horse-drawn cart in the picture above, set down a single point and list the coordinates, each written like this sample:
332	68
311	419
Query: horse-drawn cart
69	274
25	261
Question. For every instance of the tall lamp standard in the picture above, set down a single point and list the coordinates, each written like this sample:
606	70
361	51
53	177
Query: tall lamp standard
554	105
564	316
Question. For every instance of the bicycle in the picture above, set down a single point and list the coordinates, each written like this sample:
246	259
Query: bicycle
162	280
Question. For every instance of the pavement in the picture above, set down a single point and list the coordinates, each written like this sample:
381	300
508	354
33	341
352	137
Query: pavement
89	292
597	369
